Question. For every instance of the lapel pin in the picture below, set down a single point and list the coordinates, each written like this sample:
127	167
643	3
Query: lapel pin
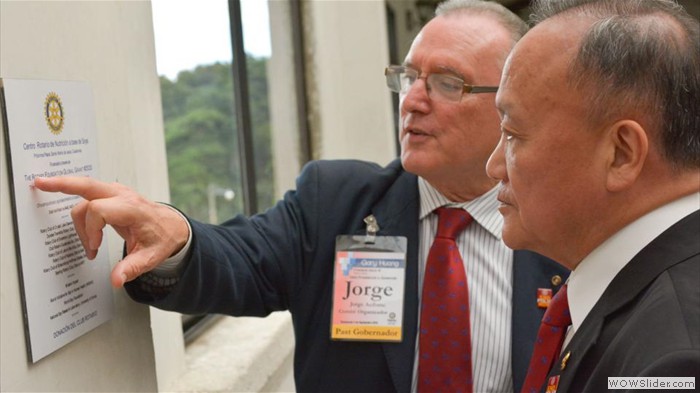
556	280
565	360
552	384
544	296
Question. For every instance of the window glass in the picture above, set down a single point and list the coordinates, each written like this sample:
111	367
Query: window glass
194	61
194	65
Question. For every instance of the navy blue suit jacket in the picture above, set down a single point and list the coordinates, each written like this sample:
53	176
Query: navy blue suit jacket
283	260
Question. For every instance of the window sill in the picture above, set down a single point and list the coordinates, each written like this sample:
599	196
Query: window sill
243	354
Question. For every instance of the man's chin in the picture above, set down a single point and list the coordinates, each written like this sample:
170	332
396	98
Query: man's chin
413	163
514	238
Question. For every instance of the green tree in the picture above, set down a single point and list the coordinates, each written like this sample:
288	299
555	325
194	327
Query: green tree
201	142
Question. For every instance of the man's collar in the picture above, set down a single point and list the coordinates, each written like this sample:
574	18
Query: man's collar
595	272
484	209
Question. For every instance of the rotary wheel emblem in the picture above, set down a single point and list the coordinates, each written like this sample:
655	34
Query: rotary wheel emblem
53	112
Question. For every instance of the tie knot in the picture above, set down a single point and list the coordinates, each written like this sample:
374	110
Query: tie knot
557	313
452	221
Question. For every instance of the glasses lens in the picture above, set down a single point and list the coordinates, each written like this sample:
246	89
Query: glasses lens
407	77
393	79
396	79
445	87
399	79
440	87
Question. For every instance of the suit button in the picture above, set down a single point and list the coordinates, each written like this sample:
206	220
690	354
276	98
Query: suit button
556	280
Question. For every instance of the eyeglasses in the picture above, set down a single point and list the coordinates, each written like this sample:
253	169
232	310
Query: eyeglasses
446	87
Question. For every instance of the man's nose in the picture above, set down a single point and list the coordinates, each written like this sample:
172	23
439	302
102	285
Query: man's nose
496	165
417	97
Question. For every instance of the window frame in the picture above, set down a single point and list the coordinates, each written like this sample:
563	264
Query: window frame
194	325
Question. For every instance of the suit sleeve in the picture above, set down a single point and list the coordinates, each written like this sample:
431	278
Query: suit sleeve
680	363
246	266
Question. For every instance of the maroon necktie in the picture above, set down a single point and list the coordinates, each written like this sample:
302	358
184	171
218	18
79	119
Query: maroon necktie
550	338
445	363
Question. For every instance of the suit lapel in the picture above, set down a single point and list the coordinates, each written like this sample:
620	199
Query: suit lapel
571	357
397	215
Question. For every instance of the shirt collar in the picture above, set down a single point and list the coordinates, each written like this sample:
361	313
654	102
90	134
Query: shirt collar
484	209
595	272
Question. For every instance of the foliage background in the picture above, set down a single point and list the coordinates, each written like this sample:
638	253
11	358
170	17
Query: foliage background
201	141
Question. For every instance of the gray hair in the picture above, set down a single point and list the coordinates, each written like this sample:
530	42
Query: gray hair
511	22
639	56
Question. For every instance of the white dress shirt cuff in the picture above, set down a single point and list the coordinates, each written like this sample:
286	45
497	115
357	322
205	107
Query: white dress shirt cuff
172	266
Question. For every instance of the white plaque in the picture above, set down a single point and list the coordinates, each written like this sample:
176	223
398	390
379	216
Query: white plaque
50	130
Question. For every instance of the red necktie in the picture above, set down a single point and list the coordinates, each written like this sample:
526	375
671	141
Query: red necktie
445	363
550	338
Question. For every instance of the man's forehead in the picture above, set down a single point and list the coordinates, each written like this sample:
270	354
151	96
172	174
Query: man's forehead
537	71
559	33
461	33
545	52
536	63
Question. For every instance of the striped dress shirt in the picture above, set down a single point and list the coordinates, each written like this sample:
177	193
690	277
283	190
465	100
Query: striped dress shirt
489	267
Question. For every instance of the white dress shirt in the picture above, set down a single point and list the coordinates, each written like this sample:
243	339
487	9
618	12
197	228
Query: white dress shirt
488	264
595	272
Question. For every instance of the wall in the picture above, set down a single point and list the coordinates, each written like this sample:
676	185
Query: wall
346	53
283	99
110	45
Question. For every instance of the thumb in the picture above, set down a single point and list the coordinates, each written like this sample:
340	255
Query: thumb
129	268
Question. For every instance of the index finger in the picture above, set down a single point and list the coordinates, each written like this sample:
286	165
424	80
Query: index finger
85	187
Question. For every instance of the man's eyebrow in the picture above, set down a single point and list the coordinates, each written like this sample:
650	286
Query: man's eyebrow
452	71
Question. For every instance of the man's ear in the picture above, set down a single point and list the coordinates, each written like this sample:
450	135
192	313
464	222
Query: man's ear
630	146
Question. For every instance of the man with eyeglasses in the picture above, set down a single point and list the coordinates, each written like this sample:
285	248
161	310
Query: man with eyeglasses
284	258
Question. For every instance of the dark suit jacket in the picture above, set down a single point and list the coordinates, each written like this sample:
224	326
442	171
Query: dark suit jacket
647	322
283	260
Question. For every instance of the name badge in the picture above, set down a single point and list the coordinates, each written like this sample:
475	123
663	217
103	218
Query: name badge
368	289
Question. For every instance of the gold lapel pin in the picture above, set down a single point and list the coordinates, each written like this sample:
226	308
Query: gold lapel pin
556	280
565	360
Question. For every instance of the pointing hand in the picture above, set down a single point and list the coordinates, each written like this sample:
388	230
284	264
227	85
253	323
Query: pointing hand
152	231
